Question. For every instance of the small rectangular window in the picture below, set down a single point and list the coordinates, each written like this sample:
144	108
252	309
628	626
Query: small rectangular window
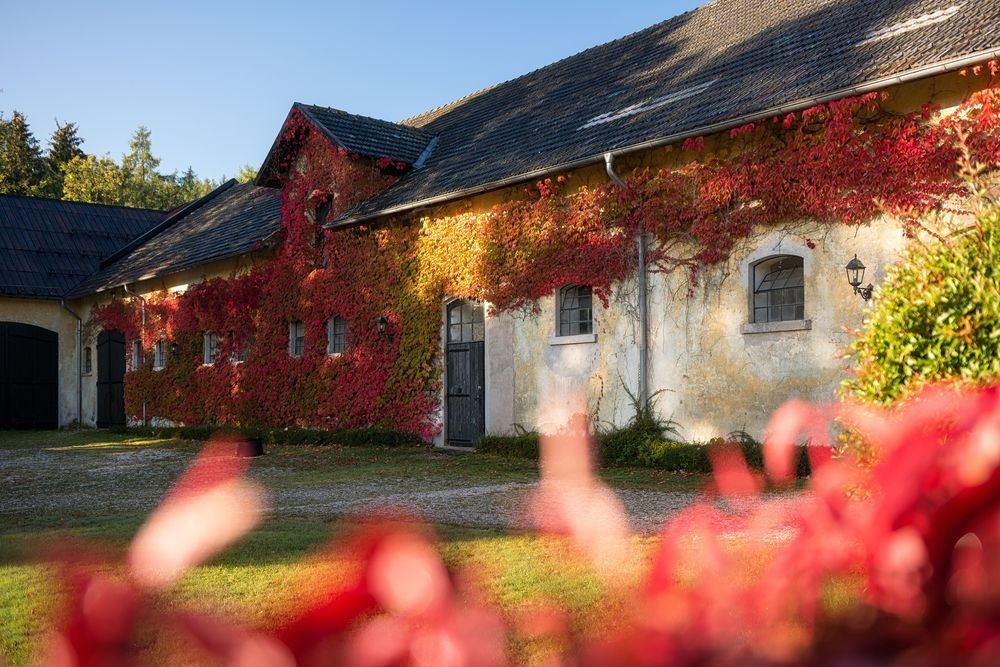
209	347
576	315
296	338
136	354
241	353
88	361
159	355
336	335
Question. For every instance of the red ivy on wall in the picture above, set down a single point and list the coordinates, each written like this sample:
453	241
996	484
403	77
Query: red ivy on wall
841	162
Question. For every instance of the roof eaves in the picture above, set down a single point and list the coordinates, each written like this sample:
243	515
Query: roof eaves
940	67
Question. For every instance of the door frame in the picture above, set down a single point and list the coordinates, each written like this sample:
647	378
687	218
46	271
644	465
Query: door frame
441	439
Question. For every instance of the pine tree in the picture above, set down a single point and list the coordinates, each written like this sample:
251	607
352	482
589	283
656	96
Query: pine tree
22	167
64	145
142	184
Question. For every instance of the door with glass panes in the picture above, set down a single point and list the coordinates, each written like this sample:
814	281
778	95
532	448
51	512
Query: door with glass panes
465	374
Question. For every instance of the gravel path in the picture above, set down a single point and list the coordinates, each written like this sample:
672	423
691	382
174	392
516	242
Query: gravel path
39	482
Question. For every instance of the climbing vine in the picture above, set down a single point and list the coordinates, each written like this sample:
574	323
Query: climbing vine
840	163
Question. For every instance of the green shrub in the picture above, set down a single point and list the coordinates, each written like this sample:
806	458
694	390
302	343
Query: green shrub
360	437
520	446
935	318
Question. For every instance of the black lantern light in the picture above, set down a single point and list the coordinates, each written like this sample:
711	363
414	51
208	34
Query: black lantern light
174	348
855	275
381	325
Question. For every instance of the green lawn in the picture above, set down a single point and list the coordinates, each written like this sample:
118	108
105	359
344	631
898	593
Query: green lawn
99	486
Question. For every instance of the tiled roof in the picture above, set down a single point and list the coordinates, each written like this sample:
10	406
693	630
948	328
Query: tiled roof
723	64
48	246
368	136
235	219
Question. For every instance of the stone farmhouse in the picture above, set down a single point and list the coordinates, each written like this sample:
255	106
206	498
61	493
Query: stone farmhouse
664	219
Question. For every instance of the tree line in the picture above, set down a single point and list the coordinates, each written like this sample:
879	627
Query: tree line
65	171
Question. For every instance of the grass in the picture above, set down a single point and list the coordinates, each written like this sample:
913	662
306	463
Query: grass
99	486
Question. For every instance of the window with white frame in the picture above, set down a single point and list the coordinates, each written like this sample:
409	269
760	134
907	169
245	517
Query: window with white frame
336	335
296	338
159	354
209	347
575	307
778	289
136	354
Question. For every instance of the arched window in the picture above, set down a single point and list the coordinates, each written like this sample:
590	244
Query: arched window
576	314
778	289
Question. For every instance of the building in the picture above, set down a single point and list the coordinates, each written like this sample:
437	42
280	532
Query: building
665	218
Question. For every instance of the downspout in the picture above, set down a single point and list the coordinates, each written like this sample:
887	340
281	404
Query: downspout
79	362
640	242
142	329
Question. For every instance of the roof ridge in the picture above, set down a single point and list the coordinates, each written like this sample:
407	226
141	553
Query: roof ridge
309	107
494	86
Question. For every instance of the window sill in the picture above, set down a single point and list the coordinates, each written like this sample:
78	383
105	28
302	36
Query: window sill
776	327
573	340
334	355
158	368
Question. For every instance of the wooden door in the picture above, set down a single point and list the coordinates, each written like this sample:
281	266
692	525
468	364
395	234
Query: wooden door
110	379
465	374
29	376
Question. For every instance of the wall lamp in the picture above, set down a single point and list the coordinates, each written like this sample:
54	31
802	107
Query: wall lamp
855	276
174	348
381	325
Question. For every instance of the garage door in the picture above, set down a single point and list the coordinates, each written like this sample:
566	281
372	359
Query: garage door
29	376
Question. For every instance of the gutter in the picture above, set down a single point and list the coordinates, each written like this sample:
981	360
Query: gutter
79	362
942	67
640	272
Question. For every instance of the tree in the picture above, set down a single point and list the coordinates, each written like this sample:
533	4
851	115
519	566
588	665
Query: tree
64	145
22	167
91	179
246	174
190	187
142	184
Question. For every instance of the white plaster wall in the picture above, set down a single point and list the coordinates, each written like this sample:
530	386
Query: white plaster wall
712	377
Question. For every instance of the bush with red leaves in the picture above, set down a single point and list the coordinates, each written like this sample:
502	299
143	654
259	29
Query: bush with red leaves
922	528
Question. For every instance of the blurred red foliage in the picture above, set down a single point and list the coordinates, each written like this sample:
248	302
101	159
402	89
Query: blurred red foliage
921	528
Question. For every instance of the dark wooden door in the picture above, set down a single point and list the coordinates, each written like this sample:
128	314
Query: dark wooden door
29	376
465	374
110	379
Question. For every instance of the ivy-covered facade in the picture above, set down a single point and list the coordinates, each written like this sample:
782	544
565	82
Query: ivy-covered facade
449	274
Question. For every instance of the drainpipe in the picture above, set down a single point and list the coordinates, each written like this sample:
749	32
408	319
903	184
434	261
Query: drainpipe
640	242
79	362
142	329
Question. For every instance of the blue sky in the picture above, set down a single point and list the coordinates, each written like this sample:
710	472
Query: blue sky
214	80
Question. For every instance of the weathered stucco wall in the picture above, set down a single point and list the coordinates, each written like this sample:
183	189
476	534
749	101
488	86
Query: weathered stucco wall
49	315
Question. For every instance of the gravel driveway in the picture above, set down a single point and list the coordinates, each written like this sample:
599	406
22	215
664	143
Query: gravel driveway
52	482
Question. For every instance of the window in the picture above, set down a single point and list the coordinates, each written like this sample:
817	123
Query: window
241	353
576	315
209	347
778	292
159	354
88	361
336	335
296	338
136	354
465	322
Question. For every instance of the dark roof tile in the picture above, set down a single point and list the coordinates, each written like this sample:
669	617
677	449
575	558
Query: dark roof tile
717	64
48	246
230	222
